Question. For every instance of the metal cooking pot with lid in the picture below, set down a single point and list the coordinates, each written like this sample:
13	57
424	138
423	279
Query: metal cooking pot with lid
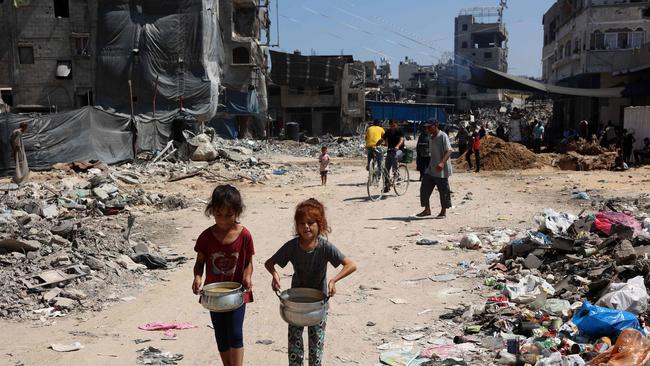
303	307
222	297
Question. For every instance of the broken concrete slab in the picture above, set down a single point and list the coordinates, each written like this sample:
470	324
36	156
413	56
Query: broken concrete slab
74	294
532	262
50	211
65	303
12	245
50	295
624	253
94	263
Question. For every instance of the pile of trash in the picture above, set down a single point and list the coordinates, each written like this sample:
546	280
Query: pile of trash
571	291
497	154
64	242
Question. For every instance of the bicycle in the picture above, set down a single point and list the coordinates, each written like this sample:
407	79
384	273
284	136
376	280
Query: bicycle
377	176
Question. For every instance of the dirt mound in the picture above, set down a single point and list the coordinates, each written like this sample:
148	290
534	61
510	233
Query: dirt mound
583	147
575	161
497	154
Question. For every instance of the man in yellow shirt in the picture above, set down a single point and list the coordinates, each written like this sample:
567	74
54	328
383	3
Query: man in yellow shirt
374	139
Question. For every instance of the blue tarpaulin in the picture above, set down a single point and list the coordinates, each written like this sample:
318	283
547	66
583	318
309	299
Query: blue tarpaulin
237	102
406	111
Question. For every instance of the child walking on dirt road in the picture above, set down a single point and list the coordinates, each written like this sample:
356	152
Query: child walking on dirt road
309	252
225	250
324	162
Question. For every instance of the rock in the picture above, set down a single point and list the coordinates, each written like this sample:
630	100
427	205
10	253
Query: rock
65	303
50	211
174	203
94	263
622	232
532	262
74	294
470	241
140	248
12	245
205	151
624	253
101	193
253	161
57	240
50	295
60	260
126	262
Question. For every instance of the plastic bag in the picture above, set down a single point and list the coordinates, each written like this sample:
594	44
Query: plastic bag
595	321
527	290
556	222
631	348
631	296
605	220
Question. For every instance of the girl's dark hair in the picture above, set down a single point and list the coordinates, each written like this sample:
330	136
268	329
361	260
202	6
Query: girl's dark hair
225	196
312	209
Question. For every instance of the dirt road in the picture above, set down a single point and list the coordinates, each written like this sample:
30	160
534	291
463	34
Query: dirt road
379	236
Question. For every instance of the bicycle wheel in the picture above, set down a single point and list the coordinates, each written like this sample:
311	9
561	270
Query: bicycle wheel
375	184
401	182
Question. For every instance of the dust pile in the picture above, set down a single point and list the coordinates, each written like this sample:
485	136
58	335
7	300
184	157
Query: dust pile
497	154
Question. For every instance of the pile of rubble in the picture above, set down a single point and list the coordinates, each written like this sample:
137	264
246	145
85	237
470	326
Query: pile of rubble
497	154
578	162
584	147
337	146
65	245
570	291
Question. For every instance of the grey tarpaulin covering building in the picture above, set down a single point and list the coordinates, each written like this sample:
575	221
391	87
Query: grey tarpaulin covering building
83	134
170	50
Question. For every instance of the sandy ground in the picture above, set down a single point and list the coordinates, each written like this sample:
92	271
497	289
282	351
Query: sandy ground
379	236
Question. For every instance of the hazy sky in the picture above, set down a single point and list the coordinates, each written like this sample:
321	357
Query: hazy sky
420	29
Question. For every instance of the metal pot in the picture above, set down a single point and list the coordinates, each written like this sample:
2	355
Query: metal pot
221	302
303	307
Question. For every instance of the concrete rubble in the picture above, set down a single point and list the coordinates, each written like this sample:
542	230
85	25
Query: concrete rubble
68	244
538	287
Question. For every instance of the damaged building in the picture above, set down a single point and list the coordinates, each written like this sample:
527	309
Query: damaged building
149	68
47	63
481	39
136	57
597	44
323	94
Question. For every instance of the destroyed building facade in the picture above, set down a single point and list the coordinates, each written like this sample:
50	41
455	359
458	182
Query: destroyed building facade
136	57
323	94
596	44
481	39
47	63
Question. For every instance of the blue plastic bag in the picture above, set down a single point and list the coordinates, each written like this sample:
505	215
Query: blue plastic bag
595	321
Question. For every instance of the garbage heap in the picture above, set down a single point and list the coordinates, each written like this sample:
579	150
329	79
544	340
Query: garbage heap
67	243
572	291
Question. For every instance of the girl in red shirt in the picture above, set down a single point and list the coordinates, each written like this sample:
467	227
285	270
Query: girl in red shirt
225	250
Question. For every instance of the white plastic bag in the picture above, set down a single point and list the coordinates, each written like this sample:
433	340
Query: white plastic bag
631	296
527	289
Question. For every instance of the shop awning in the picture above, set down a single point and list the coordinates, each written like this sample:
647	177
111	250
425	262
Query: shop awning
493	79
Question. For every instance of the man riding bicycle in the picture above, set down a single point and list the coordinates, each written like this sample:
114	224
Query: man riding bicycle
374	139
394	139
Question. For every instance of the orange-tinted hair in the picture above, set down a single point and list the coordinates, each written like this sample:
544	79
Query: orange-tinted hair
309	210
